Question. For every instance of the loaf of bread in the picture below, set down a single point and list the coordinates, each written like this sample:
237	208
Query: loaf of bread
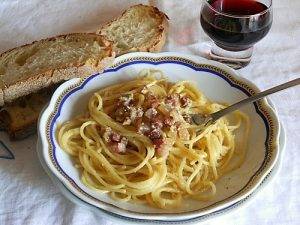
28	74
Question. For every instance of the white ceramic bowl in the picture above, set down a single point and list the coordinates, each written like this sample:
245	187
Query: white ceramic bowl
218	82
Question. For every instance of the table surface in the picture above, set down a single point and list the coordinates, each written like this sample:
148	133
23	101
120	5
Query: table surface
28	196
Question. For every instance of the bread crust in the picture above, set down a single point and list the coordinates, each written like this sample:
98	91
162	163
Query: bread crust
160	39
47	78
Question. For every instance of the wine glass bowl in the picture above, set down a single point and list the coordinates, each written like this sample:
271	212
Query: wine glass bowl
235	26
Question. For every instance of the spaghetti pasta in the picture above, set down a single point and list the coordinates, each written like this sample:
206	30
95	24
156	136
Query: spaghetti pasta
137	143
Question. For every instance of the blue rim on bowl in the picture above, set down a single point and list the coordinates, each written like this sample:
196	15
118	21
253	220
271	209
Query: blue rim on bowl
49	117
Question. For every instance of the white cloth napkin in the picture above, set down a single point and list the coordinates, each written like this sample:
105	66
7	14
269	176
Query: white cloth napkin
27	196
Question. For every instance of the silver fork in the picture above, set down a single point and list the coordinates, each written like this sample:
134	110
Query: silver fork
205	120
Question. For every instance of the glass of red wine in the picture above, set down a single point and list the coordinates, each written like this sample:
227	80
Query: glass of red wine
235	26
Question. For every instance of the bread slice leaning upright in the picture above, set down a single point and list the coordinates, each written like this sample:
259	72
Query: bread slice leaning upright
141	28
29	68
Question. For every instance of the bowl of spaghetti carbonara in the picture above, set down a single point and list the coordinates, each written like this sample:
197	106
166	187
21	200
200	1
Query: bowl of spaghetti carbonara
123	141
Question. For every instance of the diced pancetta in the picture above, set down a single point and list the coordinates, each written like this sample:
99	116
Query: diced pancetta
185	101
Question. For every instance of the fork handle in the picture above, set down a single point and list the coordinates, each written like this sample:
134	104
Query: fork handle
215	116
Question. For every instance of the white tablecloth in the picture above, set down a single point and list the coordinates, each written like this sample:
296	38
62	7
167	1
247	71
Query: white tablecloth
27	196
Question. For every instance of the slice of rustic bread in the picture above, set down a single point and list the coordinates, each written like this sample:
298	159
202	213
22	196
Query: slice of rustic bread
19	118
29	68
139	28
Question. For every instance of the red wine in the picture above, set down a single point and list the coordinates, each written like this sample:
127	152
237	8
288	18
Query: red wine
230	28
238	7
